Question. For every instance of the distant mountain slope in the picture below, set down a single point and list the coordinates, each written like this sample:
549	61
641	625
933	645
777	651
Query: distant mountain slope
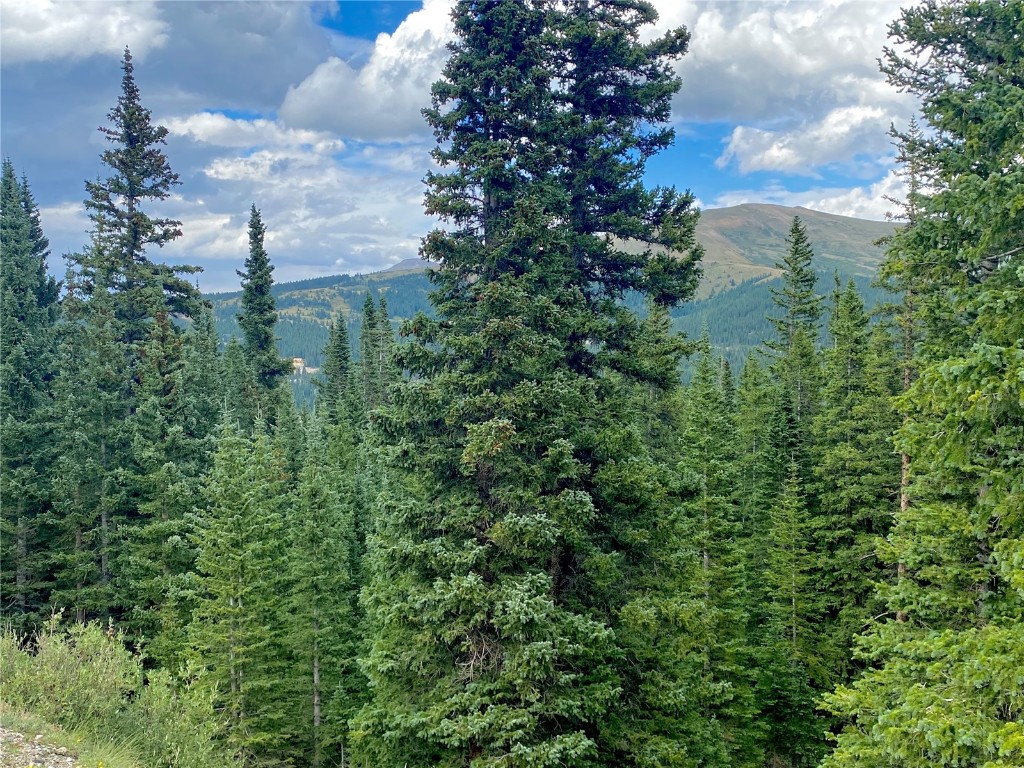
742	244
753	236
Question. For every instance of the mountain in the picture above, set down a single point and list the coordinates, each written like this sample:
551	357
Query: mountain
745	241
742	244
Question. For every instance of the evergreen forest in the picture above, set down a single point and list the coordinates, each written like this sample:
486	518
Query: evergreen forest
528	523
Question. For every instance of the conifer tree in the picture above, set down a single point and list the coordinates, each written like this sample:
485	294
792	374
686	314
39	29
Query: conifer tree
203	377
943	683
790	668
28	312
376	348
242	403
796	328
856	471
755	398
171	446
516	617
336	386
323	597
718	587
90	483
258	316
122	229
237	631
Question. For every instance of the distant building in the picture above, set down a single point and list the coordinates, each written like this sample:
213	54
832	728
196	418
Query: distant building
299	367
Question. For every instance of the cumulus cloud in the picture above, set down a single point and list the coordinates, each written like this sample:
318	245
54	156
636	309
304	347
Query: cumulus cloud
223	131
39	30
324	213
800	79
382	99
751	61
337	149
845	133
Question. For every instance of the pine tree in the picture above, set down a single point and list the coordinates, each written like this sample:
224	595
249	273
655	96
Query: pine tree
258	316
171	444
797	299
796	329
757	482
203	376
518	600
790	669
856	472
718	588
323	597
123	230
943	680
237	632
336	385
28	311
377	372
90	489
242	405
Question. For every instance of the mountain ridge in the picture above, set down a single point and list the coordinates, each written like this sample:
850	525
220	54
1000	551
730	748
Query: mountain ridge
742	245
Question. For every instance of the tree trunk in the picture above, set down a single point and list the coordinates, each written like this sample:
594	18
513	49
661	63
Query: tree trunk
79	585
21	560
316	693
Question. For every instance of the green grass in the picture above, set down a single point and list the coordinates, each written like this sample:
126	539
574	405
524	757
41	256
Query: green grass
88	751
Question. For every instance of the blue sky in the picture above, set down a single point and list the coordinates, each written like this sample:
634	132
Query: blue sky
311	110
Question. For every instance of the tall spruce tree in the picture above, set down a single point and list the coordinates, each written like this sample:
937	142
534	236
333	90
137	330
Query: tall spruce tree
336	386
324	586
718	588
376	349
171	434
790	669
28	313
856	473
943	684
90	488
122	230
243	405
237	633
516	616
796	327
258	316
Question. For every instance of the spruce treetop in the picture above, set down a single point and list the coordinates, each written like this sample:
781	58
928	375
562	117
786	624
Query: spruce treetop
116	260
800	305
141	173
258	316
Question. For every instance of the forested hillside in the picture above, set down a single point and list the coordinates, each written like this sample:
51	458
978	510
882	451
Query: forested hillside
742	246
508	532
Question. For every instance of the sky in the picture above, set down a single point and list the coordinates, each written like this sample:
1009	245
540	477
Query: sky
311	111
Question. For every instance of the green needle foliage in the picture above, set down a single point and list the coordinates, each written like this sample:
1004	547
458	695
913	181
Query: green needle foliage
856	472
718	585
90	483
325	634
514	614
237	634
944	678
28	314
258	316
140	174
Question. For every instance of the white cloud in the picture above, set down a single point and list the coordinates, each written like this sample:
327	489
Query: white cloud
382	99
845	133
323	214
39	30
772	60
223	131
798	80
